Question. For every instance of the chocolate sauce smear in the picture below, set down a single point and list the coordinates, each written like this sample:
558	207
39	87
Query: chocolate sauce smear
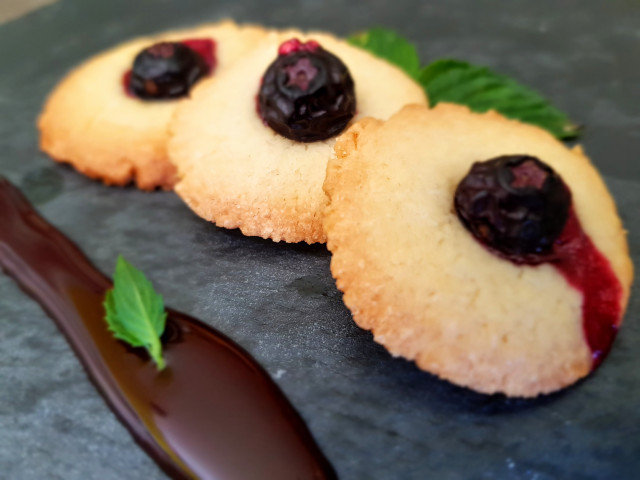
213	413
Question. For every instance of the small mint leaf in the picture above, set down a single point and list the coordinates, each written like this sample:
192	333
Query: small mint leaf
390	46
481	89
135	313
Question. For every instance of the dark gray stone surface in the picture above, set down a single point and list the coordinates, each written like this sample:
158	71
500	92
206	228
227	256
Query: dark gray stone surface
374	416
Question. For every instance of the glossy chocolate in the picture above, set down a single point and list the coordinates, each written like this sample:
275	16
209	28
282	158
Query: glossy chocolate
213	413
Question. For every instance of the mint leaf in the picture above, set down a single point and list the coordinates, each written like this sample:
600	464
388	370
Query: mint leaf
481	89
134	311
390	46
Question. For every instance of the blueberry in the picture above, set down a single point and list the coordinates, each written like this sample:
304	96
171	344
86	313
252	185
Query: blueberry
166	70
307	93
515	205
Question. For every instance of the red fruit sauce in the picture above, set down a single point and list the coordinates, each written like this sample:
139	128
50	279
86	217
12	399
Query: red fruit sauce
205	47
295	45
589	271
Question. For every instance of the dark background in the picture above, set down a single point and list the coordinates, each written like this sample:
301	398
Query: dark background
374	416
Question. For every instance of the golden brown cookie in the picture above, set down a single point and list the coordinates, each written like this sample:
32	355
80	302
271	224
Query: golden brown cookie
239	173
90	122
427	289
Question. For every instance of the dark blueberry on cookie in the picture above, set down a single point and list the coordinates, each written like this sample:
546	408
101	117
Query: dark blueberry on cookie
166	70
516	205
307	93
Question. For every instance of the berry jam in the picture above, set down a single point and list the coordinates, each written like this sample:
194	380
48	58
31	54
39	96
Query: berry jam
589	271
307	93
168	70
520	209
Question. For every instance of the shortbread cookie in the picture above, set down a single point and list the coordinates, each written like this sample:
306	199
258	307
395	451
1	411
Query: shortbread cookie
522	317
236	170
93	121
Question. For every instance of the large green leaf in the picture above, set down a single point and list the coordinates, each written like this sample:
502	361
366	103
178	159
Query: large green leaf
389	45
481	89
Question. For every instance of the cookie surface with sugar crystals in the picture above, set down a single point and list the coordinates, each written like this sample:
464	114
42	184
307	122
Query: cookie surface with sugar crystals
427	289
236	171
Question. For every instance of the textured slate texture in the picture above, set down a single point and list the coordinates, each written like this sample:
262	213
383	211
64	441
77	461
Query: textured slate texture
374	416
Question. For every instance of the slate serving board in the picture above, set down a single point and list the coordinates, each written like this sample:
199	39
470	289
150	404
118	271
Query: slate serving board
375	417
